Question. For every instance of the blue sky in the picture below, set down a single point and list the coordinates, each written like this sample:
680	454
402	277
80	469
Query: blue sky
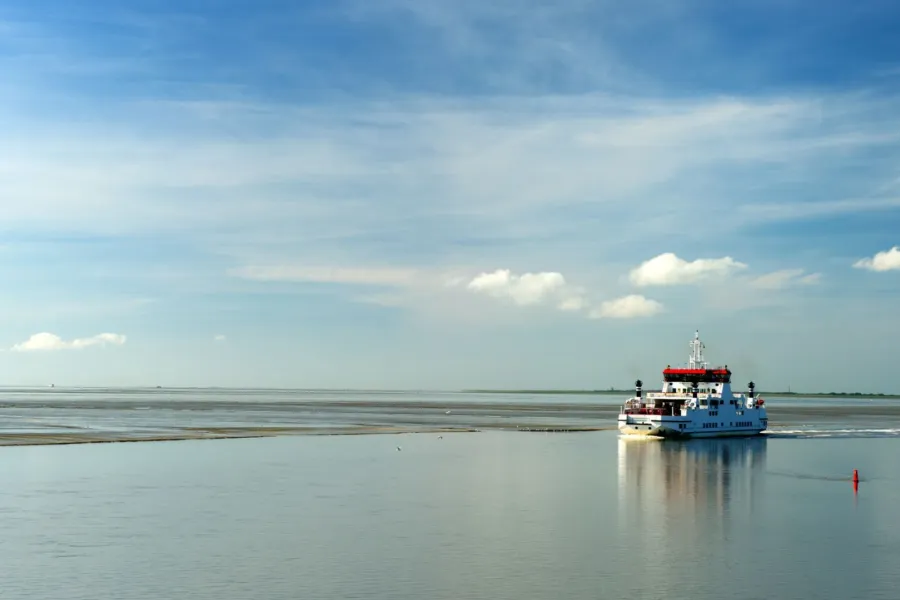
436	194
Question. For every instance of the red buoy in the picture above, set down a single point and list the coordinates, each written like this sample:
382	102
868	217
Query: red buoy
855	476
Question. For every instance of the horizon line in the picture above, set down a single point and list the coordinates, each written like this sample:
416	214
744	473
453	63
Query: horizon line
546	391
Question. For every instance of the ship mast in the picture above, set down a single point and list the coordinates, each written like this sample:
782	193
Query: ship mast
696	361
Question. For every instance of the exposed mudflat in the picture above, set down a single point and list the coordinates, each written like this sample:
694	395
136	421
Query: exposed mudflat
212	433
73	418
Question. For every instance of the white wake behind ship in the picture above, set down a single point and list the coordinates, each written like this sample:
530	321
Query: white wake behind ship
694	402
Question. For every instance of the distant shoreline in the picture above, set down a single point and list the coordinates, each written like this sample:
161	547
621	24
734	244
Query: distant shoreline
631	391
280	390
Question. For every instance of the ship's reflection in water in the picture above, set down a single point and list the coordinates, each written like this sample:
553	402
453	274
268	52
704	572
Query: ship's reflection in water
688	481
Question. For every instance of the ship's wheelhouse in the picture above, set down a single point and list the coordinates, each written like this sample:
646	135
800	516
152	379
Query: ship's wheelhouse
693	381
697	376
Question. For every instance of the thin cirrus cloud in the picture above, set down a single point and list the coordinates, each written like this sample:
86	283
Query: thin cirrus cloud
485	157
318	274
669	269
888	260
49	341
785	278
493	163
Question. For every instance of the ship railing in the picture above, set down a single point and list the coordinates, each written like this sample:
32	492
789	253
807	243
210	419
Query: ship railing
648	411
678	394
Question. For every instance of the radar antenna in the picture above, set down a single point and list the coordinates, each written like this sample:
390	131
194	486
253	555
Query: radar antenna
697	361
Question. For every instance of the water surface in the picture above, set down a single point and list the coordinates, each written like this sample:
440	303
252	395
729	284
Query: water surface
491	514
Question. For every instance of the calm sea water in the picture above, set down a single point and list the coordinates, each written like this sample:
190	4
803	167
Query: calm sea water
493	514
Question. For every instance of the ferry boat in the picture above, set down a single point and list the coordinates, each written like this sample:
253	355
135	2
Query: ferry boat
694	402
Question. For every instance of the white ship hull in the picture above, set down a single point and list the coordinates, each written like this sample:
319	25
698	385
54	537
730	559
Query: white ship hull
668	415
666	430
694	402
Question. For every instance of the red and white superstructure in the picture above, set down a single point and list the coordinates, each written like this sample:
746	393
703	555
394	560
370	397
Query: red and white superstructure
696	401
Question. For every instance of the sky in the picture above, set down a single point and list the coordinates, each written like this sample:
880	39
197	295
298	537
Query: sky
437	194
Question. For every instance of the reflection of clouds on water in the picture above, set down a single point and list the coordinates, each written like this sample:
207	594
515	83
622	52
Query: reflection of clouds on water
660	479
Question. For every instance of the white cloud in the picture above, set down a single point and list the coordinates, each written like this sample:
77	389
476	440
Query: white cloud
547	288
50	341
575	303
628	307
529	288
433	290
888	260
219	338
668	269
785	278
